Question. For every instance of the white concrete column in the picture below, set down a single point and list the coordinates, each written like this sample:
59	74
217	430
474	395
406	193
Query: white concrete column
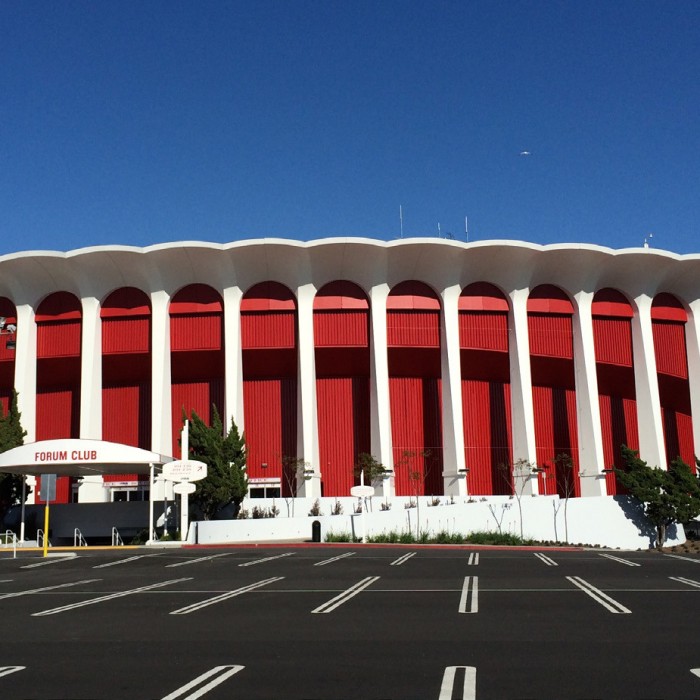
650	424
590	434
454	467
380	407
161	395
233	358
91	371
307	426
522	412
25	369
692	341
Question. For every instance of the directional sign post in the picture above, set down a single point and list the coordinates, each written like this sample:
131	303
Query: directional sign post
48	492
184	471
362	491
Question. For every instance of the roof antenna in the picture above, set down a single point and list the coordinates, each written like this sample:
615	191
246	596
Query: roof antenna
646	239
439	234
401	220
466	228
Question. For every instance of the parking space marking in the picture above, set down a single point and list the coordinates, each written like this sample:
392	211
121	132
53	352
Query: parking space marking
687	581
260	561
620	559
198	559
678	556
332	559
53	560
7	670
473	560
605	600
695	672
224	673
111	596
343	597
470	592
545	559
46	588
401	560
448	683
224	596
125	561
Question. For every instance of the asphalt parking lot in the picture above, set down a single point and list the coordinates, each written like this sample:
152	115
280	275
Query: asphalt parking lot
349	622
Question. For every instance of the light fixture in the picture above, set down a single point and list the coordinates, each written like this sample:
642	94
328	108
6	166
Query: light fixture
9	329
263	465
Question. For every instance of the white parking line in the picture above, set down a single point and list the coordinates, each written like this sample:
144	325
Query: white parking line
401	560
7	670
448	683
605	600
678	556
124	561
620	559
224	596
224	672
260	561
53	560
471	586
473	561
545	559
195	561
112	596
46	588
687	581
351	592
695	672
328	561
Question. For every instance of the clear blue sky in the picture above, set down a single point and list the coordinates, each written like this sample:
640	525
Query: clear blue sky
143	122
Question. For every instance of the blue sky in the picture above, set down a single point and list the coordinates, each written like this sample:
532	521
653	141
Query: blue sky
144	122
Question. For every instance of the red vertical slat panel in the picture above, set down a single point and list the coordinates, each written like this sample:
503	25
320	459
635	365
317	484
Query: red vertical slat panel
613	341
194	396
268	329
669	348
125	335
417	436
413	328
270	426
58	339
341	328
483	330
487	435
555	433
551	335
343	430
196	331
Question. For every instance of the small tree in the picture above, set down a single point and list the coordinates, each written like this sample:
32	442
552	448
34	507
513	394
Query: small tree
669	497
372	468
519	474
293	470
564	477
226	482
11	435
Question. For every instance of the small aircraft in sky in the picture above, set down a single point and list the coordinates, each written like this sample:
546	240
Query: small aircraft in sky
525	153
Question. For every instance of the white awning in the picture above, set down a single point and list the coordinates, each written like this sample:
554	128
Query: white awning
78	458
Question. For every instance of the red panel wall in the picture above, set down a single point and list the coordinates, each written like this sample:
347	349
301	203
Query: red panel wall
487	435
556	432
341	328
618	417
58	338
196	332
268	329
344	430
413	328
483	330
195	396
416	425
669	348
613	340
125	335
551	335
270	406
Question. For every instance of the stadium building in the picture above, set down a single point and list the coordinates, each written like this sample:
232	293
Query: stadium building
446	361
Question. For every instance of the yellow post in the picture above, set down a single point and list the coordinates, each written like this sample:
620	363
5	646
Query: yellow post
46	528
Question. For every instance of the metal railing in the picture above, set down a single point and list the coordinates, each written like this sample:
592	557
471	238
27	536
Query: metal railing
117	540
40	537
78	539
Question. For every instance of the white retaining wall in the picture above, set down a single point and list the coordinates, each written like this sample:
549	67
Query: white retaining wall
605	521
